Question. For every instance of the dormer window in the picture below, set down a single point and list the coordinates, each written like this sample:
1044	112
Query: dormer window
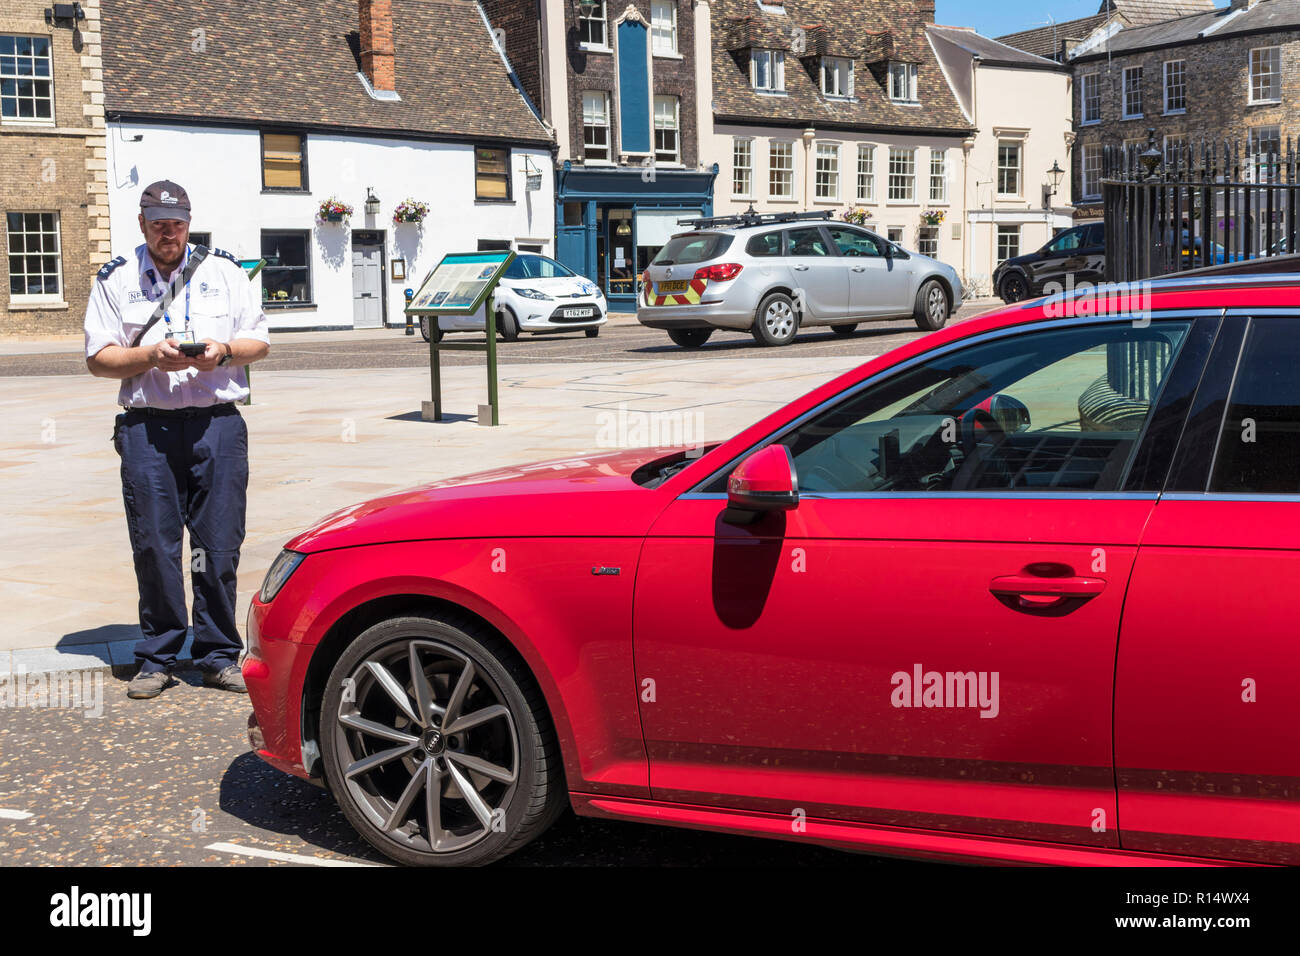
767	70
837	76
902	82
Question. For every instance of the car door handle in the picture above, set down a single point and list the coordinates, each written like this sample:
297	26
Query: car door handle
800	268
1051	593
859	269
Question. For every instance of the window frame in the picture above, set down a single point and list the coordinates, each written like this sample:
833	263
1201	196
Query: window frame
306	236
509	197
775	60
1181	86
867	175
35	298
302	160
1002	231
1089	94
607	127
676	128
1093	149
52	119
1019	168
942	178
826	73
908	178
656	50
748	142
772	168
910	81
1131	92
1276	56
831	174
603	20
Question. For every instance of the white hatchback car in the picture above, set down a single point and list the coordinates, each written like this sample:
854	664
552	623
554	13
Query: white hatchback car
536	294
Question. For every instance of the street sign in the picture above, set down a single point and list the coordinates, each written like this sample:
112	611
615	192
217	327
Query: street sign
459	285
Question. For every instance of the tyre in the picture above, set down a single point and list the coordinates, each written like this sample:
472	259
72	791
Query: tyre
689	338
437	744
1014	288
507	326
931	306
776	321
592	333
425	328
844	329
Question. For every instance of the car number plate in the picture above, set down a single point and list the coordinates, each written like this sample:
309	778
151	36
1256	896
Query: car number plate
675	285
576	313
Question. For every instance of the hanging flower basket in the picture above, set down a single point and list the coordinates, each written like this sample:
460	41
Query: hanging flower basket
410	210
857	216
333	210
932	217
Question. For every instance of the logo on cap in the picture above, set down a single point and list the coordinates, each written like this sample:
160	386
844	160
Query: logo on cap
166	197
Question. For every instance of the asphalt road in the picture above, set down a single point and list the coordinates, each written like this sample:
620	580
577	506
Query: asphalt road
172	781
621	340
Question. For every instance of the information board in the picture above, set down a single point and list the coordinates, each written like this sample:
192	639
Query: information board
460	283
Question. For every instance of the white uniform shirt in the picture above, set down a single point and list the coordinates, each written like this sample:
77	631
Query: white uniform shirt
223	306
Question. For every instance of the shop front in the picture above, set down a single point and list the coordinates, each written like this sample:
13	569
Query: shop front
611	221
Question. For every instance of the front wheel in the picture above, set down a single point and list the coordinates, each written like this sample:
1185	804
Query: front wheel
508	326
1014	288
776	320
689	338
931	310
437	744
592	333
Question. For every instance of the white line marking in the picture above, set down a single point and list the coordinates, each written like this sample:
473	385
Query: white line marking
14	815
277	855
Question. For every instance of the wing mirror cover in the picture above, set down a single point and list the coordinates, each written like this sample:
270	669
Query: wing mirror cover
765	481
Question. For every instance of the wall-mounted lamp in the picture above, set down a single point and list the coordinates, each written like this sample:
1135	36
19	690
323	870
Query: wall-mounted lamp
65	14
372	202
1055	174
587	8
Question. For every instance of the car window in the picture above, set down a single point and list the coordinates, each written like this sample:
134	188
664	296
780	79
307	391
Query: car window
1096	235
1259	444
541	267
851	242
806	242
692	247
764	244
518	269
1053	410
1066	241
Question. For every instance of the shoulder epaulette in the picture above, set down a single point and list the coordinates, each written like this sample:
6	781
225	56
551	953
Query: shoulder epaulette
107	268
224	254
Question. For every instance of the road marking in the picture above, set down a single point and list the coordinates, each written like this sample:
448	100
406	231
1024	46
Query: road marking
14	815
277	855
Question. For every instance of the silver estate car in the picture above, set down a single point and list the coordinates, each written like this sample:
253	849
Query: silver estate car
771	274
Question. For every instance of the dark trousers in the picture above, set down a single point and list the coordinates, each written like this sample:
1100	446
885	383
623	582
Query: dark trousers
185	471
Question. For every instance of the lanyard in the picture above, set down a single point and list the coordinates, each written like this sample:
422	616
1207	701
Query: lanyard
167	318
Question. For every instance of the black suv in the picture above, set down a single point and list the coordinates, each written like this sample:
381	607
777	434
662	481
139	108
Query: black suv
1080	251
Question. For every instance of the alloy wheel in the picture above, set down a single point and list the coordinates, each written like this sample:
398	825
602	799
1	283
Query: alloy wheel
936	304
779	319
427	745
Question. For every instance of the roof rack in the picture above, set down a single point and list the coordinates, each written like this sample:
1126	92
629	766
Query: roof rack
752	218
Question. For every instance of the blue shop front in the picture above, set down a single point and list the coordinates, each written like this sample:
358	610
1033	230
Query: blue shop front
612	220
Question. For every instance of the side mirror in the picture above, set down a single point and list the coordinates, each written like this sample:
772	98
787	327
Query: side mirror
1011	414
889	249
765	481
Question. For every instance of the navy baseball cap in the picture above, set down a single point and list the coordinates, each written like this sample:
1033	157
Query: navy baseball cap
165	200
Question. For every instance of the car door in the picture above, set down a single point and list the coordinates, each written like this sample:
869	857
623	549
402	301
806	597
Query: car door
821	281
1057	260
885	653
876	286
1093	253
1207	697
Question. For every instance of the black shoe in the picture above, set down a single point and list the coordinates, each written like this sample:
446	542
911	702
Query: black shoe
147	684
228	678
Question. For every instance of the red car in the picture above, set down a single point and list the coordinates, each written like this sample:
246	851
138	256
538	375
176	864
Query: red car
1020	590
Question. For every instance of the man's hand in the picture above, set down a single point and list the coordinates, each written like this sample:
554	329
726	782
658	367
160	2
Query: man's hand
211	356
166	357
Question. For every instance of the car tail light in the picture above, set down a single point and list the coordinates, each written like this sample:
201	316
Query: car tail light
722	272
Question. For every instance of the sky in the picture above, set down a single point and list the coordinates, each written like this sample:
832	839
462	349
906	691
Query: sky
997	17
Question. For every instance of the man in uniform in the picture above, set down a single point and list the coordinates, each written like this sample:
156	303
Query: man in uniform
183	443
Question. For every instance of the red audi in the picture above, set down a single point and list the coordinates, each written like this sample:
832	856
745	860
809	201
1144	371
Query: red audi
1016	591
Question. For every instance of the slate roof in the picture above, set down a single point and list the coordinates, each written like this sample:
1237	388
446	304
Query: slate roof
869	31
992	52
1143	12
1050	40
274	62
1266	16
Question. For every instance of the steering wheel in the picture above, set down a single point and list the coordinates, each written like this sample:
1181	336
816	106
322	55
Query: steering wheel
979	427
853	252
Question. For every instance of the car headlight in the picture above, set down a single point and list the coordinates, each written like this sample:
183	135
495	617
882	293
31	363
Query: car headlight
532	294
281	568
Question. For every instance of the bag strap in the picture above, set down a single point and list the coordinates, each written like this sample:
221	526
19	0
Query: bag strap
172	291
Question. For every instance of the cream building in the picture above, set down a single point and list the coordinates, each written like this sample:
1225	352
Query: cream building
1012	198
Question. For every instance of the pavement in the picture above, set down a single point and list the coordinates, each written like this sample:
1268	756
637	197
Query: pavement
321	439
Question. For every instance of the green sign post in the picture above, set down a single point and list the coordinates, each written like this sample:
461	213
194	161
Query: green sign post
252	267
459	285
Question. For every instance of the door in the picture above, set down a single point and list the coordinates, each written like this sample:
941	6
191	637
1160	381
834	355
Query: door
878	286
1207	706
367	282
1056	259
887	653
820	279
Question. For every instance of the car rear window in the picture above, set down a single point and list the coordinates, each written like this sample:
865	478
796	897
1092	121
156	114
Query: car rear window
764	244
692	247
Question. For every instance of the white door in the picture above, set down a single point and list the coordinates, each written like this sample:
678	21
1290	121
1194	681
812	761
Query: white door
367	286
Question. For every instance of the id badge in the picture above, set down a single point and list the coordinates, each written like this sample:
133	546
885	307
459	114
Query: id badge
185	335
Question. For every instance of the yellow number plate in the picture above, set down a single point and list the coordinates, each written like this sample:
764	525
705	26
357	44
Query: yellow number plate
676	285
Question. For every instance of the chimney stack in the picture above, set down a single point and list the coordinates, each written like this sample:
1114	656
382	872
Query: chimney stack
377	44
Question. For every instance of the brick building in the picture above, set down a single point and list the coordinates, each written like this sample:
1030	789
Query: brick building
618	82
1059	41
1232	74
54	221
